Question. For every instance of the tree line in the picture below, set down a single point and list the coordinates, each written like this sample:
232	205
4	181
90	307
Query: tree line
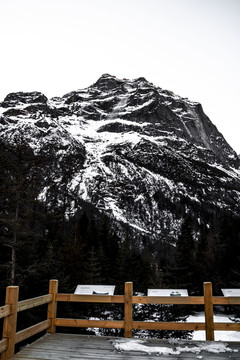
39	242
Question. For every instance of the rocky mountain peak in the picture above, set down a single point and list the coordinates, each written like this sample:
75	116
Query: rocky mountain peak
140	154
108	82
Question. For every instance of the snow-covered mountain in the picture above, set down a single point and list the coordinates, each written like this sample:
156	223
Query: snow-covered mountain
140	154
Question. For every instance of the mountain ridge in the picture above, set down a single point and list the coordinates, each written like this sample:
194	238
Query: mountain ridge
145	157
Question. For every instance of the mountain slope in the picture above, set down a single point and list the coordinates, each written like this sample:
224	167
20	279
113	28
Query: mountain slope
140	154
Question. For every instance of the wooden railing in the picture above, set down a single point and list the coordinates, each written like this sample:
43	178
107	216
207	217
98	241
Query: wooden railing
9	313
12	306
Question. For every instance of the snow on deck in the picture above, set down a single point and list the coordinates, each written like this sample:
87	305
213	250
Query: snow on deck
71	346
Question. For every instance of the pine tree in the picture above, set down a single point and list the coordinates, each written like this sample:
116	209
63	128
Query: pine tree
94	270
185	258
20	178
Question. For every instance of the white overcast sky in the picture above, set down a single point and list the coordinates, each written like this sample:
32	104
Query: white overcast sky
191	47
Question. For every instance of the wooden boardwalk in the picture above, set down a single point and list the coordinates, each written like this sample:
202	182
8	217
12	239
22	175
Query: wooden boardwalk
81	347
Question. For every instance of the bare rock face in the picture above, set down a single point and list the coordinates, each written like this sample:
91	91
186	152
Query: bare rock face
138	153
25	98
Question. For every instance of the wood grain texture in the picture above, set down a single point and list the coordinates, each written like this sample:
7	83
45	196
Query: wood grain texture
32	330
107	324
128	321
4	311
76	347
10	322
168	325
227	326
113	299
208	311
181	300
31	303
3	345
52	306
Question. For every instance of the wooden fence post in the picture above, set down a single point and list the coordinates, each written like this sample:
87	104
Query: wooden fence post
128	323
10	321
52	306
209	322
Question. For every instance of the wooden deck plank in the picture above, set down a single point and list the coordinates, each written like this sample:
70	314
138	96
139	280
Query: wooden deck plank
76	347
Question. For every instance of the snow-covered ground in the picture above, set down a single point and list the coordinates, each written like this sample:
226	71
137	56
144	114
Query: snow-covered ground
219	335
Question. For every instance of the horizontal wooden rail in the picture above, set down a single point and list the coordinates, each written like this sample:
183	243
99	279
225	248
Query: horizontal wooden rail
5	311
227	326
151	325
119	299
234	301
113	299
3	345
220	300
180	300
146	325
106	324
32	330
208	300
31	303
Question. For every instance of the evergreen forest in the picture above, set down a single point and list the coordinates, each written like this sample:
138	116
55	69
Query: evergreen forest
39	242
